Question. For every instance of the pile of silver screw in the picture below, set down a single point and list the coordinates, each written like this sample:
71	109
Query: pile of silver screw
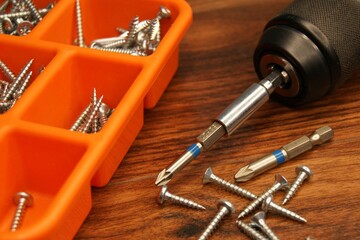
19	17
264	204
94	117
141	39
13	87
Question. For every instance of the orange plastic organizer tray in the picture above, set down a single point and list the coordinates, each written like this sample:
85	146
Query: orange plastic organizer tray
39	154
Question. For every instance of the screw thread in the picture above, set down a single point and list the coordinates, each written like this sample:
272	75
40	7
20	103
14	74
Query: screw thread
33	10
101	42
6	70
233	188
23	86
214	223
249	231
184	202
121	50
130	40
92	116
102	118
154	29
15	84
81	118
4	5
79	25
116	44
253	205
15	15
286	213
294	187
267	230
19	214
142	25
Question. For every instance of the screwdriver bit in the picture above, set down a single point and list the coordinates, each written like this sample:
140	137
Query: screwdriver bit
227	122
287	152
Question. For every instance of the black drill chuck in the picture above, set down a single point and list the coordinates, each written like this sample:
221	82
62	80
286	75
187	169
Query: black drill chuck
317	42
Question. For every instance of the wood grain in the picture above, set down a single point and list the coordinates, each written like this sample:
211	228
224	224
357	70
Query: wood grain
215	67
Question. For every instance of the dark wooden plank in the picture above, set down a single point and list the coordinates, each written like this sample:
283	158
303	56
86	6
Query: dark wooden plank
215	67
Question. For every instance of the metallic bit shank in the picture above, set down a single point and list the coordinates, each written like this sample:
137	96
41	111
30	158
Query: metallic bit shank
227	122
287	152
250	101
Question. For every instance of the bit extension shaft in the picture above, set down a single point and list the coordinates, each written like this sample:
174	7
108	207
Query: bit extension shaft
227	122
287	152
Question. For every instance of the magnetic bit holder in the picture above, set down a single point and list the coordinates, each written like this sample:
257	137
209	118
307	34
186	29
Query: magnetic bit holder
287	152
227	122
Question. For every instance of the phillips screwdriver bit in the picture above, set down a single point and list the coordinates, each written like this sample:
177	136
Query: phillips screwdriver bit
287	152
227	122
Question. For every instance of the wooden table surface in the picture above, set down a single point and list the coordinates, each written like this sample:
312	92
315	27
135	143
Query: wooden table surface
215	68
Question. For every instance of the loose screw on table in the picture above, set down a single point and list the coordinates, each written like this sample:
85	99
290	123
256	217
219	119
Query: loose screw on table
225	209
280	182
303	173
249	231
23	200
268	204
166	195
259	220
209	176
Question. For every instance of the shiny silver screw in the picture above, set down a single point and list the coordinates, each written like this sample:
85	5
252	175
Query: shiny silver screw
280	182
23	200
7	72
303	173
259	220
249	231
269	205
33	10
166	195
225	209
15	84
4	5
79	25
209	176
130	40
81	119
104	114
92	116
164	12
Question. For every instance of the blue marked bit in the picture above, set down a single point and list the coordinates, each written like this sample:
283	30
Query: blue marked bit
194	150
280	158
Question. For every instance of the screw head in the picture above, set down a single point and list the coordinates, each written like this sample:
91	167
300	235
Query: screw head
162	196
258	218
266	203
104	109
207	175
304	169
282	180
24	195
164	12
225	203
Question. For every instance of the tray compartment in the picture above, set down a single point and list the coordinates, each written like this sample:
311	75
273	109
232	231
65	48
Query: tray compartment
16	54
100	19
39	164
70	87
